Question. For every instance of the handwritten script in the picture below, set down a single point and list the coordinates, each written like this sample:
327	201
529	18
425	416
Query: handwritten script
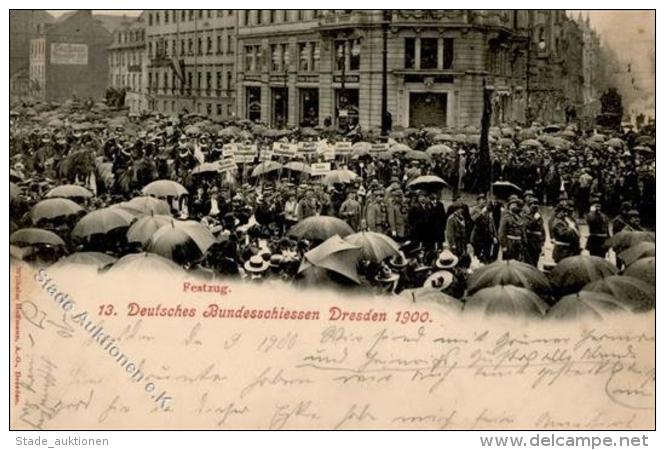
451	372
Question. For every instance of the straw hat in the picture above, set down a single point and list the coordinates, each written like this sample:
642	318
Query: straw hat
256	264
446	260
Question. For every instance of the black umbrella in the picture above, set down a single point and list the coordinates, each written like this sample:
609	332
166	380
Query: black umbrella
504	189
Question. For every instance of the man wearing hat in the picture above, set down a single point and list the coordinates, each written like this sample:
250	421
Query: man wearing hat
621	220
376	214
456	231
397	214
511	230
534	227
255	267
350	210
483	234
564	232
599	228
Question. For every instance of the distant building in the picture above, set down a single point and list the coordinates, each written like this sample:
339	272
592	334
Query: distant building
69	58
128	63
191	61
23	26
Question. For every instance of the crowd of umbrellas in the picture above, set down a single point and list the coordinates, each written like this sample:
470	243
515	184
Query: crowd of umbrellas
68	232
577	286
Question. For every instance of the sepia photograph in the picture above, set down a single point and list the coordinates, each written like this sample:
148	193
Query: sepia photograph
365	219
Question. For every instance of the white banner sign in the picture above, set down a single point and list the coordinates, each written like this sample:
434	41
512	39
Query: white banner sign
320	169
228	150
282	149
343	148
69	54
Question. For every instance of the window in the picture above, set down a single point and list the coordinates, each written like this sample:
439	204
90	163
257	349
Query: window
245	18
200	14
157	18
409	53
209	14
219	109
149	19
275	57
448	52
304	56
209	45
174	47
208	80
191	14
219	44
182	47
429	48
299	15
355	55
199	80
271	16
209	108
190	46
316	55
229	43
183	17
340	55
166	17
229	80
259	16
219	80
199	46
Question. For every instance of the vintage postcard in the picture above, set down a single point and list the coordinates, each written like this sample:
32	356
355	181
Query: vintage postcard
332	220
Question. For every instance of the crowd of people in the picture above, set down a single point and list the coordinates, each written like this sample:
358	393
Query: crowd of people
561	177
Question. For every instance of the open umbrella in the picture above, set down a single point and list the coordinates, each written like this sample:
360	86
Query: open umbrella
615	143
427	182
102	221
552	128
95	259
229	132
360	149
374	246
528	133
69	191
335	254
572	273
181	241
309	131
443	137
504	189
53	208
568	134
297	166
145	262
643	149
506	300
530	143
638	251
440	149
206	168
164	188
266	167
400	148
643	269
35	236
320	228
417	155
15	175
636	294
586	304
600	138
627	238
432	296
343	176
511	272
143	229
146	205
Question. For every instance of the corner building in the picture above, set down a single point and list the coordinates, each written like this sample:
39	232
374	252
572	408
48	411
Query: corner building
310	67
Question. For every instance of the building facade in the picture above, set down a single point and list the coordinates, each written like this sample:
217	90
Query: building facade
69	59
24	25
314	67
556	79
191	59
128	63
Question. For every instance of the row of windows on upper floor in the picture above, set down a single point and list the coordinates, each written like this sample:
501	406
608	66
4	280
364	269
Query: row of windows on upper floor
247	17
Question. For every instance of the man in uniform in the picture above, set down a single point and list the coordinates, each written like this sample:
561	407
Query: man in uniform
535	233
565	234
511	230
599	229
621	220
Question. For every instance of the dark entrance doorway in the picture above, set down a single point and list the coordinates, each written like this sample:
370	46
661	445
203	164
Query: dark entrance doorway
280	107
427	109
309	107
